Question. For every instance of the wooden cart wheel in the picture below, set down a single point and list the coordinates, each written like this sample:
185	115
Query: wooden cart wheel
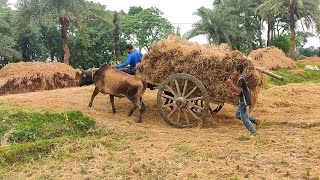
182	90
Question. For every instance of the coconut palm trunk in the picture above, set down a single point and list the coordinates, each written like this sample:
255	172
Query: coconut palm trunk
65	22
116	38
292	10
292	40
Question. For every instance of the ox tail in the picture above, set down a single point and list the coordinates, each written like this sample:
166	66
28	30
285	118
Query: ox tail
144	83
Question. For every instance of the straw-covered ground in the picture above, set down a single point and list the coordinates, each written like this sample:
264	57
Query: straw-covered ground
288	147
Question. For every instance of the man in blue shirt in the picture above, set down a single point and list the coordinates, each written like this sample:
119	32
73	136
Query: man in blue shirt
133	59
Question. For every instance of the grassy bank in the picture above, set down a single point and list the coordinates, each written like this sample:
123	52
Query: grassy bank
299	75
31	134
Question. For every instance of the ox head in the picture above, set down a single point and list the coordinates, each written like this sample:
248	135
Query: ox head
86	78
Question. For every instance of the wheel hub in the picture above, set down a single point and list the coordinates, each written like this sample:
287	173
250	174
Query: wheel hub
181	102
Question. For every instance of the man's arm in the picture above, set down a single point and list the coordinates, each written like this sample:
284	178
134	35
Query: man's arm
126	63
236	88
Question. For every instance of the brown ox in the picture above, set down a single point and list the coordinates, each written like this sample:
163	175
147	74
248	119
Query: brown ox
108	80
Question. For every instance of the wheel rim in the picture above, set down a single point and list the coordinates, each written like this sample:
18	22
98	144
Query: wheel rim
176	101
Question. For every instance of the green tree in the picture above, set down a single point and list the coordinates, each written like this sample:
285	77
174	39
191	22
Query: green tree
61	12
31	44
144	27
308	12
309	52
218	25
229	21
93	46
7	41
52	41
282	42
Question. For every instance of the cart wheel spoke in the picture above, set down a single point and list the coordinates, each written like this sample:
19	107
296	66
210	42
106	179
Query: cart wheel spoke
174	109
193	114
191	92
185	87
168	105
177	86
195	99
186	116
171	90
168	97
179	115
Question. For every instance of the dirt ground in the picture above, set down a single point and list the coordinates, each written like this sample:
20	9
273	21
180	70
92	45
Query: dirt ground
288	146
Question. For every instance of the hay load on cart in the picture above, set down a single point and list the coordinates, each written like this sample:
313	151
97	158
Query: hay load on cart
189	76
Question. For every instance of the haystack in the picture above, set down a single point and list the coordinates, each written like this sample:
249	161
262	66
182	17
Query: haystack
271	58
212	65
310	60
36	76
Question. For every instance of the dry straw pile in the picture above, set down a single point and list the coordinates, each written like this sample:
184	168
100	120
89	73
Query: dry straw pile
212	65
271	58
311	61
35	76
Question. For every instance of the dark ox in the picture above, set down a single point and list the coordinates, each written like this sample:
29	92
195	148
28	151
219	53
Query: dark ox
108	80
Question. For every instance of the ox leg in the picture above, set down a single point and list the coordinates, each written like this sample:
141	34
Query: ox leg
112	104
142	109
140	105
95	92
132	110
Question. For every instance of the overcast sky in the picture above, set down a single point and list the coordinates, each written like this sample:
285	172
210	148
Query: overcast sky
178	12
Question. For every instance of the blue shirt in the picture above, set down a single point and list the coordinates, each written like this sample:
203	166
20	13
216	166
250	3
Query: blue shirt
133	58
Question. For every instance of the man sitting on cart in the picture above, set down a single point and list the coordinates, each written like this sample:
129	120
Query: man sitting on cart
133	59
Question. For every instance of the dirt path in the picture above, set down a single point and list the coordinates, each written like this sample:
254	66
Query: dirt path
4	139
288	148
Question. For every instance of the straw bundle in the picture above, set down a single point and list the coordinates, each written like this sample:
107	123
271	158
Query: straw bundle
212	65
271	58
35	76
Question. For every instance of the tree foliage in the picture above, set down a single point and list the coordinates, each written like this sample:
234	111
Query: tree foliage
310	51
229	21
7	41
61	12
292	11
94	45
143	27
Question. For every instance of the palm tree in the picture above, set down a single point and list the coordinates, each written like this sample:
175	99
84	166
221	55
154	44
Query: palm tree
217	25
308	12
230	21
62	12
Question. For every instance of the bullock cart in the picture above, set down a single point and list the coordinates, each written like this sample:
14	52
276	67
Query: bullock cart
184	102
